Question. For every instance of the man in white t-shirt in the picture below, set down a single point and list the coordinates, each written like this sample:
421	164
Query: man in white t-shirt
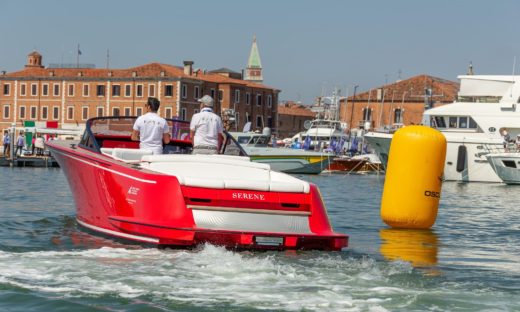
151	129
206	129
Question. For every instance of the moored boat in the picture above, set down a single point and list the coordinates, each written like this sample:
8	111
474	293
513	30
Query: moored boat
486	105
177	199
364	163
281	159
506	164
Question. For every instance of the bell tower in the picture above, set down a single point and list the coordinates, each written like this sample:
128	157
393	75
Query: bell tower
254	65
34	60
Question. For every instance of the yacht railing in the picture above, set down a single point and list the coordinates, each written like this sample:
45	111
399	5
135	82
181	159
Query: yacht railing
511	147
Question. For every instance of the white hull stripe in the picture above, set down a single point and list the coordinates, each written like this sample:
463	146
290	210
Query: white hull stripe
106	169
251	210
129	236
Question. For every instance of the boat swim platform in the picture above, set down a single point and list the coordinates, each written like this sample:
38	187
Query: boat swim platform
33	161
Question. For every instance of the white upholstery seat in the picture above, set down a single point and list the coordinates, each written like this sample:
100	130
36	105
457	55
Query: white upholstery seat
129	154
213	159
223	173
281	182
107	150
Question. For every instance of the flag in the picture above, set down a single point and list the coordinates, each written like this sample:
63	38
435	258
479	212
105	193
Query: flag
354	145
79	51
340	144
307	143
333	143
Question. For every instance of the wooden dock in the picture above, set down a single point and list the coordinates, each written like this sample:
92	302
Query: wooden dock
25	161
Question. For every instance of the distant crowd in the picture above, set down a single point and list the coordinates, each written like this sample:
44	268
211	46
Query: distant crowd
25	145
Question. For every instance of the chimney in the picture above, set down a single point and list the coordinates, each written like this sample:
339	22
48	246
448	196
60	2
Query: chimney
188	68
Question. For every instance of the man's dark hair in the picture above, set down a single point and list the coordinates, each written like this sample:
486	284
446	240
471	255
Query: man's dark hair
154	104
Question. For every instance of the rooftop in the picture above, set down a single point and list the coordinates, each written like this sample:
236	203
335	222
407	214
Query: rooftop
150	70
413	89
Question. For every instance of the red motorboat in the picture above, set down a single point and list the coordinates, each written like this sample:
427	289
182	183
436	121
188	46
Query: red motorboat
179	199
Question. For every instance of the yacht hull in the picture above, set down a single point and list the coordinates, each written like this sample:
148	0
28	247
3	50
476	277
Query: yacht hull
294	164
507	166
474	169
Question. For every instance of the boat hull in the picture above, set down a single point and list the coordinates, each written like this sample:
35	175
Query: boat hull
294	164
475	168
124	201
353	165
507	166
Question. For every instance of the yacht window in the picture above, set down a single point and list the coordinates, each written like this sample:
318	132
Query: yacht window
472	123
262	141
509	163
440	122
453	122
243	140
463	122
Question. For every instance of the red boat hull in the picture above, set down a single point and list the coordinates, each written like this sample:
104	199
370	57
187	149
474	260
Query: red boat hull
352	165
125	201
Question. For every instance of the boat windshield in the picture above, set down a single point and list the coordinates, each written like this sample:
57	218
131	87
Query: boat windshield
256	140
110	132
117	131
321	123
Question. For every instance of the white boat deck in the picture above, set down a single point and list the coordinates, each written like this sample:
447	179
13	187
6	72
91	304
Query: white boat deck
213	171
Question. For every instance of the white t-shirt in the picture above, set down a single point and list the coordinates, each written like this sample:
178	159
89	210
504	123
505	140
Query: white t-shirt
207	126
151	129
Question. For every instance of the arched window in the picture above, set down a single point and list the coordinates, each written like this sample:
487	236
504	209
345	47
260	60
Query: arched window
398	115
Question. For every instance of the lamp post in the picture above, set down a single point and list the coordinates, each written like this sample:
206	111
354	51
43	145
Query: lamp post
402	106
391	107
352	109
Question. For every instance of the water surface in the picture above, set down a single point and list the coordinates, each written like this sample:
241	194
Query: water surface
469	261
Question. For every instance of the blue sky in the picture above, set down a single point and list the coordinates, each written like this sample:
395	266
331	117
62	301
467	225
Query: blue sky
306	47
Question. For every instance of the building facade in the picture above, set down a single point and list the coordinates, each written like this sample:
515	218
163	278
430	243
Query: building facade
70	96
292	117
397	104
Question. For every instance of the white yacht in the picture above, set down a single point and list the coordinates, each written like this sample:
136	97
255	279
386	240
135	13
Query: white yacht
486	104
322	132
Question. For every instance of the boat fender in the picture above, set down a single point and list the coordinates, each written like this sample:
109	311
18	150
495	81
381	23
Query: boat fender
461	158
413	179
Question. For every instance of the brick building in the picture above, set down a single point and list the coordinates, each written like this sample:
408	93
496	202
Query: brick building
69	96
291	118
396	104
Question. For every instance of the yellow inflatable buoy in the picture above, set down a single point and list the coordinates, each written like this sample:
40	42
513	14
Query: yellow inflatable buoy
413	179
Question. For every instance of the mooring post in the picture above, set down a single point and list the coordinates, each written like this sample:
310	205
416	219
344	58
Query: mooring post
11	142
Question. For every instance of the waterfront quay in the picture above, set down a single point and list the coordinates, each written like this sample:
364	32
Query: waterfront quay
29	161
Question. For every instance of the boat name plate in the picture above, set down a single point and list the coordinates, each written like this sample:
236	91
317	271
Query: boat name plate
269	240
